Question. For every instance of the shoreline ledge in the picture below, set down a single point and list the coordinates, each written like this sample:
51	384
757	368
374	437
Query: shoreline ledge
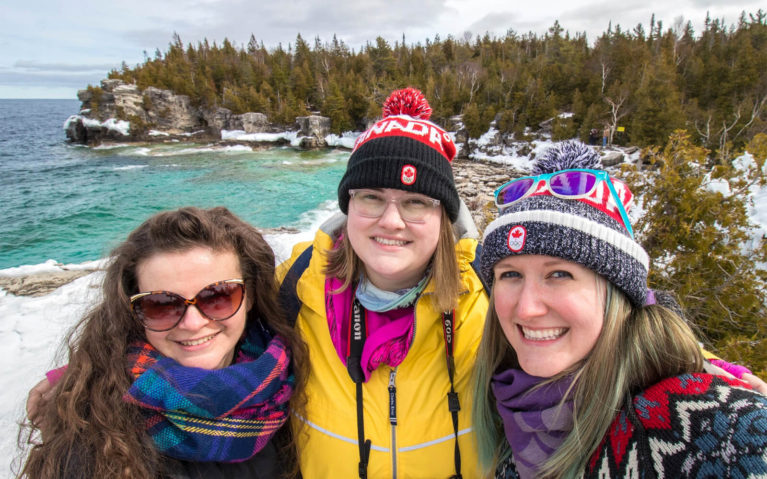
40	284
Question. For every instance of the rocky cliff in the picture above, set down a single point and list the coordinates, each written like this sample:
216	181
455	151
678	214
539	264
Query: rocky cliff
117	111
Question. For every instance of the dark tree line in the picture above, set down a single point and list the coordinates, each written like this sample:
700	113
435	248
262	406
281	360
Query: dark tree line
641	83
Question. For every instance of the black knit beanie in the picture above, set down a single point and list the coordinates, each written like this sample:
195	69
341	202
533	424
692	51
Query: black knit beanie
578	230
403	151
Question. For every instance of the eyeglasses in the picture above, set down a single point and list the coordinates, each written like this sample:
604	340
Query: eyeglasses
163	310
568	184
413	208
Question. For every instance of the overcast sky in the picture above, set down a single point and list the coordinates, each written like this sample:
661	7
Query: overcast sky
52	48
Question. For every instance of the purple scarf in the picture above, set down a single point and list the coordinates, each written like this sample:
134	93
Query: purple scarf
534	424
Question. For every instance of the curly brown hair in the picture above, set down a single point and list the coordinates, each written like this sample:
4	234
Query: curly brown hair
89	430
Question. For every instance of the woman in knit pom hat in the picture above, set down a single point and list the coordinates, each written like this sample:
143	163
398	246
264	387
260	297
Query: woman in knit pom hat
391	310
578	372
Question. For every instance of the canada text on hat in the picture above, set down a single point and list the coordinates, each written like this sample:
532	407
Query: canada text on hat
406	113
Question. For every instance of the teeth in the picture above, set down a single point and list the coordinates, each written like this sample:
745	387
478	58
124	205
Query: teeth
195	342
390	242
542	334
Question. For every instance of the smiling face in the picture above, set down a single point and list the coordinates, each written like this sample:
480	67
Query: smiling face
395	252
551	311
195	341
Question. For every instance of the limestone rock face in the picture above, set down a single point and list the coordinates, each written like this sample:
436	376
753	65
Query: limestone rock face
128	98
254	123
313	125
168	111
220	119
80	129
122	112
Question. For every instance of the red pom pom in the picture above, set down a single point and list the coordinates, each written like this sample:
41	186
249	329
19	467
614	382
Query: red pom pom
407	101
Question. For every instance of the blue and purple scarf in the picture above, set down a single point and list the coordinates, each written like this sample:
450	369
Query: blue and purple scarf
219	415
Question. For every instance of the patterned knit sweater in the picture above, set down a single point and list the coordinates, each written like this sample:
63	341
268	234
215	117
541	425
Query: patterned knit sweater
693	425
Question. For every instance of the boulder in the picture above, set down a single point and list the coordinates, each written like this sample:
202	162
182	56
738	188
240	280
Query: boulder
612	158
127	100
219	119
254	122
313	125
84	96
75	130
311	143
168	111
109	85
80	129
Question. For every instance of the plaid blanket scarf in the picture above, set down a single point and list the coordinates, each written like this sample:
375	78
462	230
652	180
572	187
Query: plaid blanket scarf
220	415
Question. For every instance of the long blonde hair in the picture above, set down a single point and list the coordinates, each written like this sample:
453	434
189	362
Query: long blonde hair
344	264
636	348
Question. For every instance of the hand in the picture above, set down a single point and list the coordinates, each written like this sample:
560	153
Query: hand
755	382
37	399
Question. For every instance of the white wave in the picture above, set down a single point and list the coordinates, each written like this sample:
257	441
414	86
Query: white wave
237	148
307	224
52	266
346	140
200	150
323	161
240	135
158	133
110	146
129	167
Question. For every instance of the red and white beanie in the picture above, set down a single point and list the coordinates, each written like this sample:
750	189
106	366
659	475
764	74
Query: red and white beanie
403	151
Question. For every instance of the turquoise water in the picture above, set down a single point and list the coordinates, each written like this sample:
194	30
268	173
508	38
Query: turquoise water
73	203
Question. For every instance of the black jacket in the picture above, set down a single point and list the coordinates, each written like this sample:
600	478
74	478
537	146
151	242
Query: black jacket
264	465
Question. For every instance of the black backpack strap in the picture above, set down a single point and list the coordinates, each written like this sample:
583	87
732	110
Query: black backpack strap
287	296
475	266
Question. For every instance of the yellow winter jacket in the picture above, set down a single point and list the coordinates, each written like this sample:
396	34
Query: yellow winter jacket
422	443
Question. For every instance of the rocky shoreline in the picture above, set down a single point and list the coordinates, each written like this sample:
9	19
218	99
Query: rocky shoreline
120	112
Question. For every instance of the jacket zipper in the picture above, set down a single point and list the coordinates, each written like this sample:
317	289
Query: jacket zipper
393	420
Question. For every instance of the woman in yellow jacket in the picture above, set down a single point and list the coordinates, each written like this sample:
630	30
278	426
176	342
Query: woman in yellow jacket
391	310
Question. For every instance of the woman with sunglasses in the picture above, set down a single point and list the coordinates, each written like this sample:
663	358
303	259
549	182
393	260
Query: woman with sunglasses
184	369
581	372
391	310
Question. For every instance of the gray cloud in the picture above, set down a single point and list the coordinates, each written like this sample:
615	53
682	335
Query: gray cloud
353	22
741	4
498	23
34	79
31	65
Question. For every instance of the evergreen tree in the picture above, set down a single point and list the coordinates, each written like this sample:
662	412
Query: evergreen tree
698	239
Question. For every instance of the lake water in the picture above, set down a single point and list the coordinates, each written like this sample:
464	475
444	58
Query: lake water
73	203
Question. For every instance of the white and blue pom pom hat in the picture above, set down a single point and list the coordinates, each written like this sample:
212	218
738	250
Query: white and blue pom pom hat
579	230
